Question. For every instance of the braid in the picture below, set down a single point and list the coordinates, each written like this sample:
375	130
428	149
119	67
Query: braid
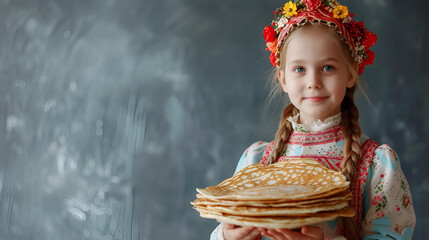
352	133
283	133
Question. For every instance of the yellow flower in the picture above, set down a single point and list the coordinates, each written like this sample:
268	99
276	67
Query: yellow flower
341	12
289	9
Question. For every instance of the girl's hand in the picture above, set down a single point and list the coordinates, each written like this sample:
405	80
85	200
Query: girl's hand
234	232
307	233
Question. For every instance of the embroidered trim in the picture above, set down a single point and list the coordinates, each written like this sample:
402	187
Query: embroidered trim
334	134
310	139
268	149
368	150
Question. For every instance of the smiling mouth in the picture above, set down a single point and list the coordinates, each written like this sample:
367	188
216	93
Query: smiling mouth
316	99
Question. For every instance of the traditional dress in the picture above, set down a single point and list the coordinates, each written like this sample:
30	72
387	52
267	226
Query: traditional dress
381	195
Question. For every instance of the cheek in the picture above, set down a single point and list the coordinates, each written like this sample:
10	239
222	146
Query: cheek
338	86
289	87
293	91
291	82
341	91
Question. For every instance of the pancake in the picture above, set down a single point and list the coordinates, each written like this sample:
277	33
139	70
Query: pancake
278	222
202	200
287	194
290	180
279	211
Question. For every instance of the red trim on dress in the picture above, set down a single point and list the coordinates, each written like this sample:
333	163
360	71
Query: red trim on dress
334	134
267	152
368	150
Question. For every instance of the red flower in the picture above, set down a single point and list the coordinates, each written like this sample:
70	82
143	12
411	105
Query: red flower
311	4
273	59
356	29
367	61
405	200
269	34
370	39
376	200
369	58
381	214
361	69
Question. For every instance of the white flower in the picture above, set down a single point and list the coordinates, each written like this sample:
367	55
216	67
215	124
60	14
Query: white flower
358	59
358	53
280	24
359	47
348	19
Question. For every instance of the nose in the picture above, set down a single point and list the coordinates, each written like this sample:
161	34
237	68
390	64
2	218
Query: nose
314	80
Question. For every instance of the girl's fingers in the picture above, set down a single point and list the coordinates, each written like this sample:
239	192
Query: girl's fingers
270	236
244	231
247	233
312	231
254	233
240	232
291	234
307	233
229	226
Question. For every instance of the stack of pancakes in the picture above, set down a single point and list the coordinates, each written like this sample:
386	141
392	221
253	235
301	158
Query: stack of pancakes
287	194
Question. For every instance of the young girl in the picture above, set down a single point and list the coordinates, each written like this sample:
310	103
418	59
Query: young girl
319	51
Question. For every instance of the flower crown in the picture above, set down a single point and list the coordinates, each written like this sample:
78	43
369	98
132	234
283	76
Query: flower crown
327	12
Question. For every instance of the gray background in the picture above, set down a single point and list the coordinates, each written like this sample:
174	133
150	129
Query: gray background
113	112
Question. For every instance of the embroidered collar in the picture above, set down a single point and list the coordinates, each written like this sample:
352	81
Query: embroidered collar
315	126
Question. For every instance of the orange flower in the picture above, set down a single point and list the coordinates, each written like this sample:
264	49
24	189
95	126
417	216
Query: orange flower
289	9
340	12
272	46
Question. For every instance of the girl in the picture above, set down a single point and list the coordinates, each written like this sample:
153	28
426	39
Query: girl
319	51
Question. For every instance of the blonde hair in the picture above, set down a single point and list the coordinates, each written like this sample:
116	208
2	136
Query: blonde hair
350	116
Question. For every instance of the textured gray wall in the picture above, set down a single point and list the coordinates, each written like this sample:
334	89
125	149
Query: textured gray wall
113	112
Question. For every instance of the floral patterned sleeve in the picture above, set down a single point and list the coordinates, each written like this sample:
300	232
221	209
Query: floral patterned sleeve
252	155
388	211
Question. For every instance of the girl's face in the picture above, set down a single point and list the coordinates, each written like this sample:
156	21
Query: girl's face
315	75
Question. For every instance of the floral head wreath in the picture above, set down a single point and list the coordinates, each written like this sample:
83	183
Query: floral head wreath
328	12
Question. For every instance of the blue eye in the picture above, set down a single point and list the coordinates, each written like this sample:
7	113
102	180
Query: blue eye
328	68
298	69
